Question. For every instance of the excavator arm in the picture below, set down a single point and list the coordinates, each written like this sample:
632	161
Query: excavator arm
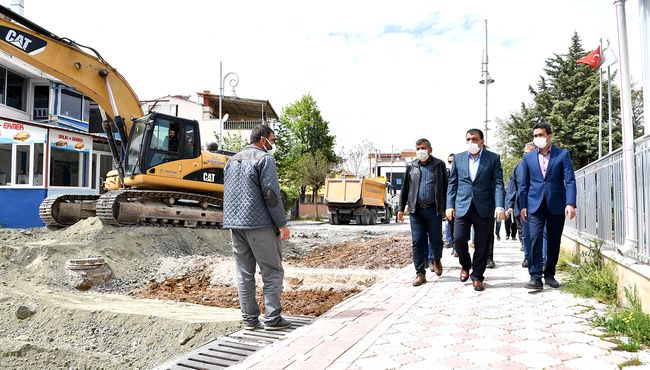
65	60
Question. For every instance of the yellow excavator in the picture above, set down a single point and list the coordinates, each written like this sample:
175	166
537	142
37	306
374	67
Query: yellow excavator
162	177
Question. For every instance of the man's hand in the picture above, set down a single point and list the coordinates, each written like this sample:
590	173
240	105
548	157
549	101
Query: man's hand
508	212
524	214
400	216
284	232
501	215
570	211
450	213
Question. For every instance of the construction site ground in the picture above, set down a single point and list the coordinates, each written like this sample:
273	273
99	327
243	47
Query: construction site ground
171	289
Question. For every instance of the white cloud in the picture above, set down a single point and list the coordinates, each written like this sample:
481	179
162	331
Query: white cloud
388	72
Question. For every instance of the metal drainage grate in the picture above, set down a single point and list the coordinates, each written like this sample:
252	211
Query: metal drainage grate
232	348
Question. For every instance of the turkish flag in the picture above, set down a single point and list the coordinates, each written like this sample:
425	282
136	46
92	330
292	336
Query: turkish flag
592	59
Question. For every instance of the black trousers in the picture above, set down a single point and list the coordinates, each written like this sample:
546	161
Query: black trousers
482	233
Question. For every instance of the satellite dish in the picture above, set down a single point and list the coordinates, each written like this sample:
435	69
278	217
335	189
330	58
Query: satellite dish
225	117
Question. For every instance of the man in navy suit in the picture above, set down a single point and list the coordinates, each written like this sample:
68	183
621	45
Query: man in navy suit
513	205
547	196
474	196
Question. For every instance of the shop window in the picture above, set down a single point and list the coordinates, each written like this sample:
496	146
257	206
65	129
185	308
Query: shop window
5	164
64	168
38	165
22	164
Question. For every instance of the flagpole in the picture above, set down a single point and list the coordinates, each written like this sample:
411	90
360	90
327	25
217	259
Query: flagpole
609	106
600	106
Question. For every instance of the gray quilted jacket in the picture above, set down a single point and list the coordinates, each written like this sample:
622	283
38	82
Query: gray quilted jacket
251	191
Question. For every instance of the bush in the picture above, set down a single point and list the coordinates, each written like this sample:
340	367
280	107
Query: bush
592	277
629	321
289	197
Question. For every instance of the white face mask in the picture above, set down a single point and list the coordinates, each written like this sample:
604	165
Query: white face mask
539	142
272	150
473	148
422	155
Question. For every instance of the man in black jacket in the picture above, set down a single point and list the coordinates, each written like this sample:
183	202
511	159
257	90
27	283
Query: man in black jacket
425	193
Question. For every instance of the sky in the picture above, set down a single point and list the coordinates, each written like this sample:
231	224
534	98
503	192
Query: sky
386	72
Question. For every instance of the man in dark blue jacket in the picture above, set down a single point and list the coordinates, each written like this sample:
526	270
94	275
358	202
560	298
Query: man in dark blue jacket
547	196
513	208
425	191
474	197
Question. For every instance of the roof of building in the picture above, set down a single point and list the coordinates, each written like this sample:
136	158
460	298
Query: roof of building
242	107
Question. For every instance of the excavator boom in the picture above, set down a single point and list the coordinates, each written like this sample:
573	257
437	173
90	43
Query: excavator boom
156	182
65	60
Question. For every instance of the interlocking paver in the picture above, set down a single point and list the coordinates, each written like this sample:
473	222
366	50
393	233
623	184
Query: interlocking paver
445	324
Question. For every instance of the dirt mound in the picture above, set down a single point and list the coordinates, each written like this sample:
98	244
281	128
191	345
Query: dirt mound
197	289
379	253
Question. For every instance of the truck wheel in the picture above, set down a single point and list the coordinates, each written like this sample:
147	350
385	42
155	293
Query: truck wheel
333	219
373	217
358	220
365	218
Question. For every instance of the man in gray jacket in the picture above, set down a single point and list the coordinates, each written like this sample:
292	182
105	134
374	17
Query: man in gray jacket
254	213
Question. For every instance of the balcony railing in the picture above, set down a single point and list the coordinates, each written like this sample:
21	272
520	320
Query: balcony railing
40	114
241	125
600	214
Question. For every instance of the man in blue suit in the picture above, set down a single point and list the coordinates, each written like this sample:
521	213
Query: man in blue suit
474	196
547	196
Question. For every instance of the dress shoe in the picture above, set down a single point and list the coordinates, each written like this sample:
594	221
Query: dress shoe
436	267
478	285
535	284
419	279
498	238
525	263
550	281
464	275
507	237
490	264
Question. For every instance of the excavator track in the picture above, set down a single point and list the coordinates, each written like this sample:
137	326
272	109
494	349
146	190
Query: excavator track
159	208
66	209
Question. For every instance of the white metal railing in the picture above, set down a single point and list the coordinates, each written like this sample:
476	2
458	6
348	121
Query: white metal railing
40	113
600	213
241	125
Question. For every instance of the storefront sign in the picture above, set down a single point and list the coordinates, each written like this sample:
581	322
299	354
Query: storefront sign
20	133
70	141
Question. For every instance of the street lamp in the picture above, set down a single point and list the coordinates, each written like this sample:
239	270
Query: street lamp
486	80
233	80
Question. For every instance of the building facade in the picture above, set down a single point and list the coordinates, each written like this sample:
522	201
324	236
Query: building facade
50	142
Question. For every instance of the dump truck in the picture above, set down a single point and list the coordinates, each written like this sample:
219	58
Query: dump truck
362	200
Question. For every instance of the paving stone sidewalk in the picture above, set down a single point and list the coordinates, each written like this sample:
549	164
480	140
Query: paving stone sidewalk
445	324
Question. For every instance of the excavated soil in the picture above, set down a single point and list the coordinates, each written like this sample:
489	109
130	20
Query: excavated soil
188	272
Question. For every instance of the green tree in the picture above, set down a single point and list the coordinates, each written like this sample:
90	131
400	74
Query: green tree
311	170
301	131
233	142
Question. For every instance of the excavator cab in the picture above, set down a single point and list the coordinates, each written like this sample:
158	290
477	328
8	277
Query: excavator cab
157	139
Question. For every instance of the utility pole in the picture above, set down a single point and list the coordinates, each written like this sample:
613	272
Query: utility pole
486	80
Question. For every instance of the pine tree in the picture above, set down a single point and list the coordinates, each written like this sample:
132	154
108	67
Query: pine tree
566	97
